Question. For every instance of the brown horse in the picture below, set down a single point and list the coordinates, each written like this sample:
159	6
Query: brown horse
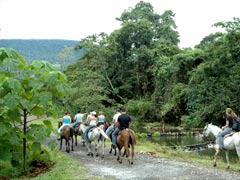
67	134
125	138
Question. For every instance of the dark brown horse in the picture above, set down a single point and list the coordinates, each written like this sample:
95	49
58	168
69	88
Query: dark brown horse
77	132
67	134
126	138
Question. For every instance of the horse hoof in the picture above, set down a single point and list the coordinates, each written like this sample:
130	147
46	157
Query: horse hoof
214	165
131	163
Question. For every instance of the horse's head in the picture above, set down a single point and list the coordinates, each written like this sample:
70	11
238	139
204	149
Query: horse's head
206	131
59	124
211	129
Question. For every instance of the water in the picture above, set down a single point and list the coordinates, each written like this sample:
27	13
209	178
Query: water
177	140
180	141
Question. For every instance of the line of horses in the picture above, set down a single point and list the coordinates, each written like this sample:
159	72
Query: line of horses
125	140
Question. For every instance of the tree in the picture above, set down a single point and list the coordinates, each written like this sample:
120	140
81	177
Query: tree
27	89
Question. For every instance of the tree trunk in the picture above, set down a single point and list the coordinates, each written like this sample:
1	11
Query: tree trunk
24	140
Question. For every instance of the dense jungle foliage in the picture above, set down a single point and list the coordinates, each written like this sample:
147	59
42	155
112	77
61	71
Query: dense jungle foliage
140	66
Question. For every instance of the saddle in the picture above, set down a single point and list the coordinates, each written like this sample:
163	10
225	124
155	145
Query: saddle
228	135
122	129
91	129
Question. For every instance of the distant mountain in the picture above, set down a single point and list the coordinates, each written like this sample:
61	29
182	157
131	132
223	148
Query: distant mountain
45	49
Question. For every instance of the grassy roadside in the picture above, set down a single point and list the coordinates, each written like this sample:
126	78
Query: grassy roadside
67	168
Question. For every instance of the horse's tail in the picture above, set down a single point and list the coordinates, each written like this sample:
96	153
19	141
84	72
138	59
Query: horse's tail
103	133
132	135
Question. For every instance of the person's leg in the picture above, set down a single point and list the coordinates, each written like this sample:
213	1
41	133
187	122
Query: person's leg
59	130
220	137
114	137
86	133
109	130
74	124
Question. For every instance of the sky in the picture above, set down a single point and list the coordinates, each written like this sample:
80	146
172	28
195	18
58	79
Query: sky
77	19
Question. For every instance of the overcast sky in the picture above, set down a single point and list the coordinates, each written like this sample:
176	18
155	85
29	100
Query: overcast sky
76	19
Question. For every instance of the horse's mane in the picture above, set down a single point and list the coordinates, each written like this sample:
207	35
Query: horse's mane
214	126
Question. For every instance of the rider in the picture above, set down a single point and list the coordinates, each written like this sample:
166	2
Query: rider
66	120
231	116
91	121
114	120
101	118
124	120
77	119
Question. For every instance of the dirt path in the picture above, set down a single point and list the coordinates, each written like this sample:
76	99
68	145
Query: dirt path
146	167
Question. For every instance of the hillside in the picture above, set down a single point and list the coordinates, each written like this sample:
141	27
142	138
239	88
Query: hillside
46	50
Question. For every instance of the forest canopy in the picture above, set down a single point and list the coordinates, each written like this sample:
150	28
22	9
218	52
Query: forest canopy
141	66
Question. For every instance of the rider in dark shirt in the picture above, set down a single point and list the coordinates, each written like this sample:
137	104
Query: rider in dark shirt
124	120
231	116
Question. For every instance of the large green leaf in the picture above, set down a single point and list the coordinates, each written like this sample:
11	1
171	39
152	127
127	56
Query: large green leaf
12	84
45	97
11	100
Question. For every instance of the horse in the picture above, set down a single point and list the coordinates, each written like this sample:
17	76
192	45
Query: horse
78	132
94	136
125	138
230	142
67	134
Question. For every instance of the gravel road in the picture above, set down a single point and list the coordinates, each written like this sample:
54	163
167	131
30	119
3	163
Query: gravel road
147	167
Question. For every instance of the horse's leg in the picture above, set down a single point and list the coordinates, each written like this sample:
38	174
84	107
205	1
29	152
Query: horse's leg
72	144
103	147
61	143
68	145
227	158
97	145
75	138
215	158
127	151
89	149
132	153
119	155
110	152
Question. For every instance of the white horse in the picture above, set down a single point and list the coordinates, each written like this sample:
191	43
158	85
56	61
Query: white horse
94	135
229	142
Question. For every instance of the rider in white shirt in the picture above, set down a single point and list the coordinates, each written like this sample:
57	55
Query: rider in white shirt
92	121
115	119
78	119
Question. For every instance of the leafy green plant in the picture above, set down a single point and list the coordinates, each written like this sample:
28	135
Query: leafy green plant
27	89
